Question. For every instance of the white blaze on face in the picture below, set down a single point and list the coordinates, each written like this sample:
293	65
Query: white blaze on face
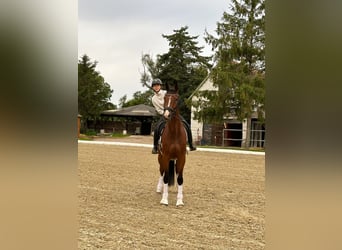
167	113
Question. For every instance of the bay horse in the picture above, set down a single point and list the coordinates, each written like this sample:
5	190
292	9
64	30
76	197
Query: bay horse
172	149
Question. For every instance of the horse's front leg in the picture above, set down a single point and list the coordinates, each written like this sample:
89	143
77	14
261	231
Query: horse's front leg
179	170
164	200
160	184
180	191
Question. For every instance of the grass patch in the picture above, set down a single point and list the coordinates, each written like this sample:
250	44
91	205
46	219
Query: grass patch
83	137
234	148
119	135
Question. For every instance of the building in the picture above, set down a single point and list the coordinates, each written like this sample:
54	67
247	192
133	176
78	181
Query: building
230	132
136	119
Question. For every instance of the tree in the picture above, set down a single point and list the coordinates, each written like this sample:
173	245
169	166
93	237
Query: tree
93	92
122	101
110	105
182	63
239	65
150	69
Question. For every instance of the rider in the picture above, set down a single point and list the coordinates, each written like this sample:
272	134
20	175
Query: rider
158	103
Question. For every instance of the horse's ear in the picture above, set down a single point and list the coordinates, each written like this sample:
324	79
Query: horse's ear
172	86
176	86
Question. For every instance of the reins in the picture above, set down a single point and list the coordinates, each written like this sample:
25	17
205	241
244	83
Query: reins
172	113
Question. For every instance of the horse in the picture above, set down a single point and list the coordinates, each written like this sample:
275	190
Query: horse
171	150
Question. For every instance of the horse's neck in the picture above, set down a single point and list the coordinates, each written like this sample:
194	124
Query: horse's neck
175	124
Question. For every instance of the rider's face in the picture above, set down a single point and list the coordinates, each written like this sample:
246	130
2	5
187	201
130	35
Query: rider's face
156	87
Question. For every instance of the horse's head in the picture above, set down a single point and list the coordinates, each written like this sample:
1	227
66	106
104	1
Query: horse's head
170	105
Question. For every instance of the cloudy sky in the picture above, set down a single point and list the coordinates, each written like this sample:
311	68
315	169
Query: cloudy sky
115	33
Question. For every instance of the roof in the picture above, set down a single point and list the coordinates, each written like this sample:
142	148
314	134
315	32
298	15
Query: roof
137	110
200	86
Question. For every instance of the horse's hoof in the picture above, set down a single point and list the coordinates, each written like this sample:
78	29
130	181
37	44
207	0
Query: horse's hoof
164	202
179	203
158	191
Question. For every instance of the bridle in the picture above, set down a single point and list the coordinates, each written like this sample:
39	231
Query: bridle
169	109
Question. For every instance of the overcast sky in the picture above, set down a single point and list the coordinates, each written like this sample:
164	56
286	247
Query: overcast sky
115	33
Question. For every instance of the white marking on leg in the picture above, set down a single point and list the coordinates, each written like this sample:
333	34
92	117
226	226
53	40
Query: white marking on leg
164	200
180	196
160	184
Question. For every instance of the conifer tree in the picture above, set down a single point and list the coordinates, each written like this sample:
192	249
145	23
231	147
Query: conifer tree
93	92
239	65
182	63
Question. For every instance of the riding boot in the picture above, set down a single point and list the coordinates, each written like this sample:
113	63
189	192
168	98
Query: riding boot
156	135
191	146
155	141
188	131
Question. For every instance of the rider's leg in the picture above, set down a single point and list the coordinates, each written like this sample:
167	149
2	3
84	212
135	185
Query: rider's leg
155	140
189	133
156	135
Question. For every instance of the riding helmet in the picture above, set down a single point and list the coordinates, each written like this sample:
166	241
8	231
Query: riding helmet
156	81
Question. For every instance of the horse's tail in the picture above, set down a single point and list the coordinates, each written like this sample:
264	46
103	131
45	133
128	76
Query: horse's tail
171	172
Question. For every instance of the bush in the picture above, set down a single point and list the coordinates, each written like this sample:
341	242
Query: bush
119	135
90	132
